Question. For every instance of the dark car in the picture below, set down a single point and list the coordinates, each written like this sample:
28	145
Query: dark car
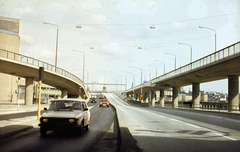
93	99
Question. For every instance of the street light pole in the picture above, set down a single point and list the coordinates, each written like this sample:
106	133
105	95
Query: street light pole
133	79
163	65
125	83
215	36
56	44
141	75
175	58
154	67
83	62
149	74
190	52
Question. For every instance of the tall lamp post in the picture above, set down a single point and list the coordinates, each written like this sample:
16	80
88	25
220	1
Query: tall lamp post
125	83
190	52
149	73
56	44
175	58
154	67
215	35
141	76
133	78
83	62
163	65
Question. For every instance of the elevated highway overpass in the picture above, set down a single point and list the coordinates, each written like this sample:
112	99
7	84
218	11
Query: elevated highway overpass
28	67
222	64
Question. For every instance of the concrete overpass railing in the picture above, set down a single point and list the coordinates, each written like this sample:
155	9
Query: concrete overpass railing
221	54
38	63
207	60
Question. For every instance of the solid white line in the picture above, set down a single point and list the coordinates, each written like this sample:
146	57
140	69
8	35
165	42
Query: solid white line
225	136
174	119
192	125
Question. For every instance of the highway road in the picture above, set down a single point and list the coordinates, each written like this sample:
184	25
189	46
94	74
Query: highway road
163	129
31	140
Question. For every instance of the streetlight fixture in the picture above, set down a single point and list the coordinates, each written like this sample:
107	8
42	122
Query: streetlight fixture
56	44
154	67
83	61
215	36
190	52
163	65
175	58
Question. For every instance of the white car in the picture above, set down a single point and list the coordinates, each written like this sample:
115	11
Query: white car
65	114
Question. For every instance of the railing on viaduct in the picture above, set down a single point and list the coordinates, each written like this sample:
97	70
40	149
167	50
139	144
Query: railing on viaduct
38	63
221	54
218	55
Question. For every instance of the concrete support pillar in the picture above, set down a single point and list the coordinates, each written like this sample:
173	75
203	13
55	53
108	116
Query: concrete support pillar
162	98
196	95
29	91
175	97
152	97
145	97
64	93
233	93
136	97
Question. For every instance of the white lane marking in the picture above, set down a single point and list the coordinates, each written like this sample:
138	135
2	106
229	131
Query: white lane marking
174	119
225	136
192	125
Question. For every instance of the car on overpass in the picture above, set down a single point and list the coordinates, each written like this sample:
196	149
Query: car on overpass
65	114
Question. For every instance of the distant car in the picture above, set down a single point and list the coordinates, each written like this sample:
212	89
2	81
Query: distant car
102	97
44	101
65	114
93	99
104	102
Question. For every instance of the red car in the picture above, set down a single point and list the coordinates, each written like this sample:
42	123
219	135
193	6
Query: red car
104	102
102	97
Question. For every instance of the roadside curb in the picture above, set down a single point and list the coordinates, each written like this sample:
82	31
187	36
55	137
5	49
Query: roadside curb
15	129
127	142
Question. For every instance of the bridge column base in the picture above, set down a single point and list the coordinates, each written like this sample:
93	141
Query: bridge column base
162	98
29	91
196	95
152	97
64	93
233	93
175	97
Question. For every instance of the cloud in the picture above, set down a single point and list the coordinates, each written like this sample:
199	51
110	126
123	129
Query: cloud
179	25
129	8
91	5
24	11
54	12
27	39
197	9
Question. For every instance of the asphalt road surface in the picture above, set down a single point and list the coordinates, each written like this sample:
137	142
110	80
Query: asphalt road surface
172	130
31	140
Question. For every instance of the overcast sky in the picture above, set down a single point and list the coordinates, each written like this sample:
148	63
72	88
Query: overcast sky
116	29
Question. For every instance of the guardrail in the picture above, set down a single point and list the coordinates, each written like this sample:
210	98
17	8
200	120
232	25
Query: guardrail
38	63
216	56
221	54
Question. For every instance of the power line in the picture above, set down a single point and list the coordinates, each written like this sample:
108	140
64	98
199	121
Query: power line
126	24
